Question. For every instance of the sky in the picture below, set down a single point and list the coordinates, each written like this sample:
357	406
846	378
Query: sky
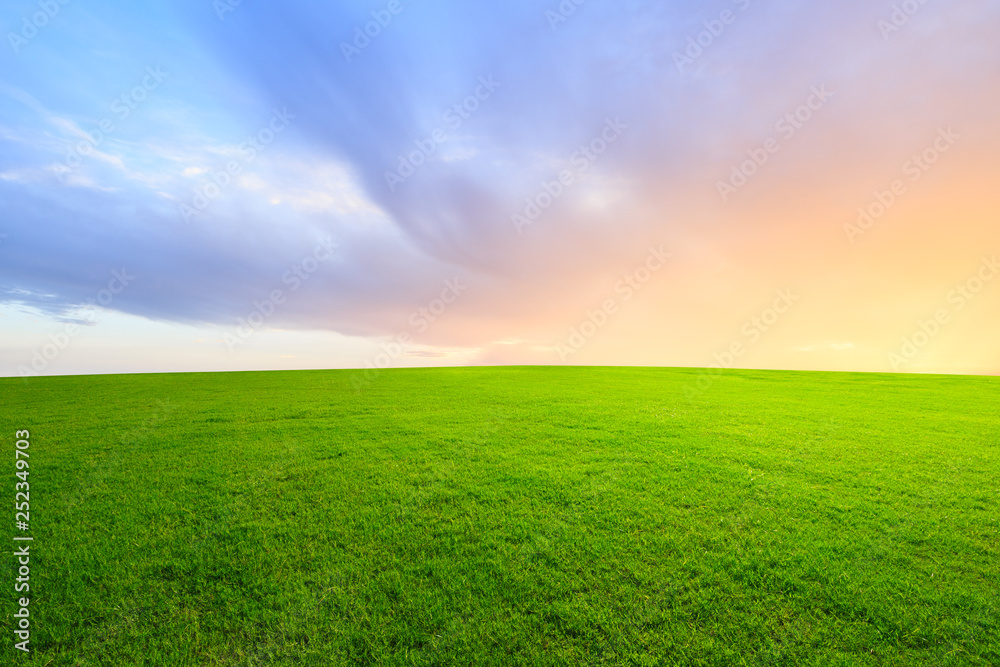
224	185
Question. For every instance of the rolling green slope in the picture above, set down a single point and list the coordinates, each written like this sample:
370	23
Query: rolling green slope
513	515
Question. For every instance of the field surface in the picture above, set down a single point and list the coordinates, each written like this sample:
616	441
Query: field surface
508	516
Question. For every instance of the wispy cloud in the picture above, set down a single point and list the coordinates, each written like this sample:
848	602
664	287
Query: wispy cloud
359	118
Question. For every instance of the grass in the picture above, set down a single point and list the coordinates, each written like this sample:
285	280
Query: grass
494	516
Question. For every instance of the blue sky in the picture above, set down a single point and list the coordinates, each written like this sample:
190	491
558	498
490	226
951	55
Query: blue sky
208	150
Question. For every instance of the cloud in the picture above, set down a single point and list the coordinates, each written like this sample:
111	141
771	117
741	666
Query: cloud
504	145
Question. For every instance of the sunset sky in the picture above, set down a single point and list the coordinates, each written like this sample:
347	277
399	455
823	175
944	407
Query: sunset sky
205	186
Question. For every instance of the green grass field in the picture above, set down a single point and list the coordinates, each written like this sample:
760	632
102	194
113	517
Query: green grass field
494	516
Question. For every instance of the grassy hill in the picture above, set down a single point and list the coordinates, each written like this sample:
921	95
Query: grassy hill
512	515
